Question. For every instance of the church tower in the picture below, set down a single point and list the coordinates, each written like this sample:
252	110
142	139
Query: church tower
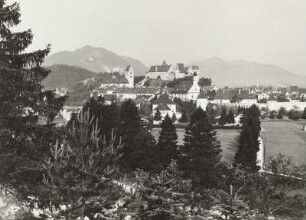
129	75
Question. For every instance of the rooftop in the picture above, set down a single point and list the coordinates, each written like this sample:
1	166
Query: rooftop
140	90
164	67
162	107
163	99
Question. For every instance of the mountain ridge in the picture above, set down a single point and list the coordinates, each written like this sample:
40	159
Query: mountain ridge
95	59
246	73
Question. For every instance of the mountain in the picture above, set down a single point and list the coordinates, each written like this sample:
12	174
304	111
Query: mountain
96	60
66	76
245	73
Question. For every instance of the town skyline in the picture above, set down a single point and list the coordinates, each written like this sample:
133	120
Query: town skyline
264	32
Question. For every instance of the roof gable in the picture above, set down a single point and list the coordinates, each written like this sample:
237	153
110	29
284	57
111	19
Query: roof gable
163	99
162	107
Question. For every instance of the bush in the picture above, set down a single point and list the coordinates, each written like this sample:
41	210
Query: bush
273	114
294	115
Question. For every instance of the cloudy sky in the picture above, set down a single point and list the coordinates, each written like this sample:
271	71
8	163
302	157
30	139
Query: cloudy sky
265	31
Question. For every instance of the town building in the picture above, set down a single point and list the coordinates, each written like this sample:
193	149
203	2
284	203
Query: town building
187	89
165	105
221	98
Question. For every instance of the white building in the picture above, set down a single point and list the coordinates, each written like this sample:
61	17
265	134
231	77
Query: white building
274	105
188	89
165	105
221	98
262	96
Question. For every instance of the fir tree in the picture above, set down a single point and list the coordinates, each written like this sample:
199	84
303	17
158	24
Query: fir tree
128	127
79	172
52	105
21	73
167	142
201	151
23	142
144	153
106	115
184	118
211	115
304	114
248	145
230	117
173	118
223	118
157	116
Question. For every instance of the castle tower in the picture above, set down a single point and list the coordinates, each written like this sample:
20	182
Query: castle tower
129	75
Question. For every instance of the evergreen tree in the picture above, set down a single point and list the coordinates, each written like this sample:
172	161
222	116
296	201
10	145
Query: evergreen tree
128	127
184	118
201	151
248	145
79	172
157	116
106	115
23	142
223	118
230	117
51	105
144	153
21	73
167	142
211	114
173	118
72	122
304	113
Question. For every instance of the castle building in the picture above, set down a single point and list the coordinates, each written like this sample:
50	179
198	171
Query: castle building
163	72
171	72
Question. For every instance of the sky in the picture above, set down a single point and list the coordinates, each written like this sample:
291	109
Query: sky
263	31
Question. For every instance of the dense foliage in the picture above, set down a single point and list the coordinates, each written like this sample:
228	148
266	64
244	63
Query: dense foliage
248	144
23	142
204	82
200	155
167	143
78	173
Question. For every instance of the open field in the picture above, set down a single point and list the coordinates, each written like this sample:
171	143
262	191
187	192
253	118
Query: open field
227	139
285	137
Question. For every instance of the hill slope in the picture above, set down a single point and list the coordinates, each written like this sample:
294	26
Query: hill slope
66	76
95	59
244	73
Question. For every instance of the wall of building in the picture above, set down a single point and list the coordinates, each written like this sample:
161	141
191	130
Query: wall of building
161	75
274	105
202	103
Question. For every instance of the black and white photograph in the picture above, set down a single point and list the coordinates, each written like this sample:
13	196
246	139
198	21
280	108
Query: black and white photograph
152	110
